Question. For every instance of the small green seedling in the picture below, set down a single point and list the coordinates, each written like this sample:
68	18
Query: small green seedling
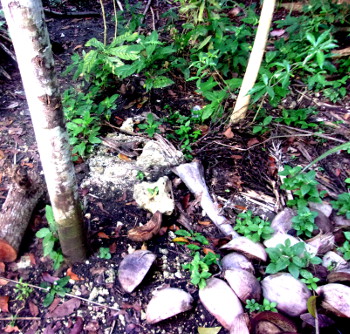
153	192
22	290
253	306
342	204
199	268
151	125
105	253
309	279
304	221
140	176
253	227
192	236
57	288
293	258
303	185
345	249
50	239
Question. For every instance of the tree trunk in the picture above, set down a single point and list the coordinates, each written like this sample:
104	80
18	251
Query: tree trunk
255	59
26	22
20	202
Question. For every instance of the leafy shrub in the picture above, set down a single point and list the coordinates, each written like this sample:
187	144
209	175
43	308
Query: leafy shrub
342	204
293	258
253	306
253	227
345	249
50	239
304	221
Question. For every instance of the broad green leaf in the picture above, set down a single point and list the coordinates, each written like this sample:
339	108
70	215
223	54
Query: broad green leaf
162	81
320	58
43	232
95	43
294	270
311	38
127	52
183	233
48	299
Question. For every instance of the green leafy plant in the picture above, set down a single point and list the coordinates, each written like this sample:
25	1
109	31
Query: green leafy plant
192	237
151	126
153	191
200	268
298	117
303	185
57	288
293	258
262	127
50	239
22	290
309	279
104	253
304	221
253	227
253	306
345	249
140	175
186	132
342	204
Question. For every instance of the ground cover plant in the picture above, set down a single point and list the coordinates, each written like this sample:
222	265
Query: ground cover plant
175	69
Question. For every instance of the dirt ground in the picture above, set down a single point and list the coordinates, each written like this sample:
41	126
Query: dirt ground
232	165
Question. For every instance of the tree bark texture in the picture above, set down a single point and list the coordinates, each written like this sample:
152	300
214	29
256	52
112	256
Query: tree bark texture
20	202
26	22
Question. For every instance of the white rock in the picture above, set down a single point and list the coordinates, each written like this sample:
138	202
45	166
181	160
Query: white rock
336	298
289	293
220	300
280	238
128	125
283	220
160	200
325	208
243	283
251	249
236	260
333	259
166	303
134	268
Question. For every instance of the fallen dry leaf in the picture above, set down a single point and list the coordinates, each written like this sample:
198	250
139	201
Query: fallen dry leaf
124	157
228	133
204	223
4	303
34	310
252	142
147	231
2	267
3	282
78	326
49	278
181	239
11	329
207	250
65	309
73	275
113	248
209	330
102	235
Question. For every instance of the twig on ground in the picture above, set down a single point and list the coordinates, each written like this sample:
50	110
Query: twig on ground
67	294
145	12
19	318
153	20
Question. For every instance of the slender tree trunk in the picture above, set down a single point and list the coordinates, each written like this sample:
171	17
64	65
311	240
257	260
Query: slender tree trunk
30	38
255	59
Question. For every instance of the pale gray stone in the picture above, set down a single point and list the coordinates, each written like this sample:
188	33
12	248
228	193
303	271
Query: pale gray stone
166	303
161	200
289	293
134	268
236	260
220	300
